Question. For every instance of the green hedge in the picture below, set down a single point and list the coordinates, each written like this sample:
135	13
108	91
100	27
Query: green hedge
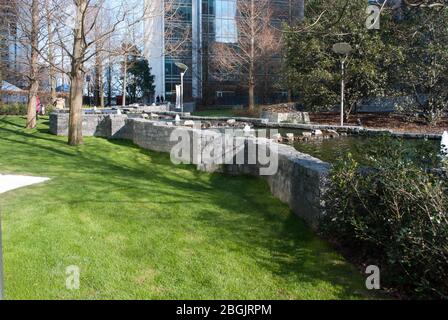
394	216
19	109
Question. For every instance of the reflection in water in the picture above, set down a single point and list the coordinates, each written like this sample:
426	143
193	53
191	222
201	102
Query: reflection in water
422	152
332	149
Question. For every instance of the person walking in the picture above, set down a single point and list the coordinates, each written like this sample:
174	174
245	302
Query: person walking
158	100
38	107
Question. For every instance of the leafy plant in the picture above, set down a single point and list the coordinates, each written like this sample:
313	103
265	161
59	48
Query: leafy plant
396	215
421	37
314	70
140	80
18	109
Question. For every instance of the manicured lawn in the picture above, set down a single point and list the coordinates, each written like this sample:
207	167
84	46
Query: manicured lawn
142	228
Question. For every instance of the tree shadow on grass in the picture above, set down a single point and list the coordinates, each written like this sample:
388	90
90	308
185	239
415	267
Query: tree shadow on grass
53	150
4	120
30	135
248	215
257	223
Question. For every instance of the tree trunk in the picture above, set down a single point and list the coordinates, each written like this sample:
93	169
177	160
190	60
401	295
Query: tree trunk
251	96
125	79
31	119
77	76
99	90
53	84
109	85
252	59
101	87
205	74
289	95
1	78
76	97
34	68
51	60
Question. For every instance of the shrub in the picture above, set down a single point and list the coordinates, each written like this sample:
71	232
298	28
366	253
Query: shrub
18	109
396	216
49	108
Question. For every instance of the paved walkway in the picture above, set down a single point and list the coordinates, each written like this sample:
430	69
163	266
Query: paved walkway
7	183
10	182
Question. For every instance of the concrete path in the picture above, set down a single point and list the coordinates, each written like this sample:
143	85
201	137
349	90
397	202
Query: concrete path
7	183
10	182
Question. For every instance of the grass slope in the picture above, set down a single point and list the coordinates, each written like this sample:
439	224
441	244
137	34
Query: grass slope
142	228
218	113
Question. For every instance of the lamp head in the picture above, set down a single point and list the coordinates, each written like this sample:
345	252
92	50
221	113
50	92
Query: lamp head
182	66
342	48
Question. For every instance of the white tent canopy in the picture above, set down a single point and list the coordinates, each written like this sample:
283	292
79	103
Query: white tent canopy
13	94
10	87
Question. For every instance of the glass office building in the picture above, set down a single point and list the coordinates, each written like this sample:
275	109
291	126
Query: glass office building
185	31
11	51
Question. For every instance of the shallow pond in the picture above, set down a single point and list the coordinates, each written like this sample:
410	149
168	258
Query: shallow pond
331	149
360	147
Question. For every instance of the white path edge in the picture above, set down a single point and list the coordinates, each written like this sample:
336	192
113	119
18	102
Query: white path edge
11	182
8	183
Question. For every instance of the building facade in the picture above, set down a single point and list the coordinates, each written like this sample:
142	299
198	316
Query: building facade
12	53
185	31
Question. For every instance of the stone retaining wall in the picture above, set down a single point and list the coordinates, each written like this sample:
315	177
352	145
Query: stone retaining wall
291	117
93	125
299	181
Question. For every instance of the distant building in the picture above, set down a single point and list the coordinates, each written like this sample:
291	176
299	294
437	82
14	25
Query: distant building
11	51
202	23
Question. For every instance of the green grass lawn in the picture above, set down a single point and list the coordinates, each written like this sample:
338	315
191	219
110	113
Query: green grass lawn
141	228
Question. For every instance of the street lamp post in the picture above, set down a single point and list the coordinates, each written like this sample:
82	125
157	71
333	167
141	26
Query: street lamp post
343	49
183	69
342	90
182	92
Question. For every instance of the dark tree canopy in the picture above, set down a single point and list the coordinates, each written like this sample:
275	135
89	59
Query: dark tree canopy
314	70
406	59
140	87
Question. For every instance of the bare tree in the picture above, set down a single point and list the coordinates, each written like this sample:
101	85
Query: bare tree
168	35
256	40
84	42
49	19
98	80
127	49
27	13
33	37
8	36
34	30
3	41
100	55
